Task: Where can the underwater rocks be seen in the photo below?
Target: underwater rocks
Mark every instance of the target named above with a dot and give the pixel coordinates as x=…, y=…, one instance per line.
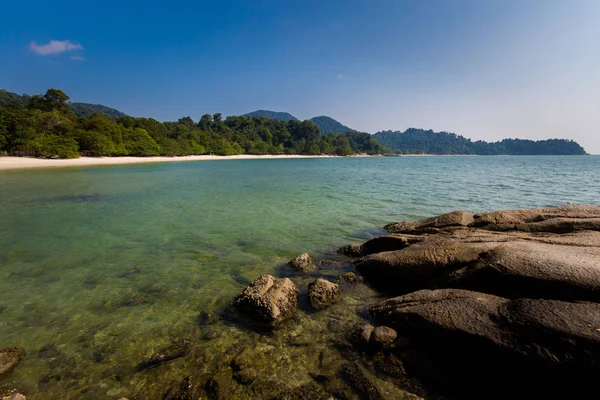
x=323, y=294
x=11, y=395
x=10, y=357
x=351, y=278
x=303, y=263
x=269, y=300
x=167, y=354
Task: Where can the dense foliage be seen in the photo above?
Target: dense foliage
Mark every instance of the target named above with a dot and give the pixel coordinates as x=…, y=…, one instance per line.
x=329, y=125
x=420, y=141
x=46, y=126
x=13, y=100
x=279, y=116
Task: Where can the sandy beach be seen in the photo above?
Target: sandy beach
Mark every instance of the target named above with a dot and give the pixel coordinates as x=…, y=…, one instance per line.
x=8, y=163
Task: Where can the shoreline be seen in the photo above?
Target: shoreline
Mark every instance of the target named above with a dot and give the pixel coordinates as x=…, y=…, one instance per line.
x=15, y=163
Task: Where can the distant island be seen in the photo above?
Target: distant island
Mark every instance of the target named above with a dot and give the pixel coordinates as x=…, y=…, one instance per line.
x=50, y=126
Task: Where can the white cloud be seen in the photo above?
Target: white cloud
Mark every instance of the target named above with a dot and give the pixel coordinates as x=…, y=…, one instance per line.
x=54, y=47
x=78, y=58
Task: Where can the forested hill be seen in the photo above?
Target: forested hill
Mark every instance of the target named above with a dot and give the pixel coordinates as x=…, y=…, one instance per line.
x=46, y=126
x=279, y=116
x=329, y=125
x=80, y=109
x=420, y=141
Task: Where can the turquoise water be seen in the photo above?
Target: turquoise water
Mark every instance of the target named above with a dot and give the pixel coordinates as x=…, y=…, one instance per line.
x=101, y=266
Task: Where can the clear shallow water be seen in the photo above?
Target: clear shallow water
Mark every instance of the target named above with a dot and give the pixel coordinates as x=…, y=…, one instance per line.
x=101, y=266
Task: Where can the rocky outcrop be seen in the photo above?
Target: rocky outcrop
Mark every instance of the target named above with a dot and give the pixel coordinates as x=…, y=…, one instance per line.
x=10, y=357
x=323, y=294
x=303, y=263
x=453, y=219
x=494, y=305
x=546, y=342
x=269, y=300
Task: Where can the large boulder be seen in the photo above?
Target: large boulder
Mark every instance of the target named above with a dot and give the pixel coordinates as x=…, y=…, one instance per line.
x=303, y=263
x=417, y=266
x=452, y=219
x=521, y=347
x=536, y=270
x=555, y=219
x=10, y=357
x=269, y=300
x=323, y=294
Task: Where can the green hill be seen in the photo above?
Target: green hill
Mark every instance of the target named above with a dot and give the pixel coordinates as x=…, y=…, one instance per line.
x=329, y=125
x=420, y=141
x=279, y=116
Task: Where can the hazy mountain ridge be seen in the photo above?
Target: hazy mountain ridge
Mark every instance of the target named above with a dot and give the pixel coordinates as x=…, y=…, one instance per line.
x=276, y=115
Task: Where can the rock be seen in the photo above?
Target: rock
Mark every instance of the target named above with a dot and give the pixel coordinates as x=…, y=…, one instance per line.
x=351, y=277
x=269, y=300
x=12, y=394
x=389, y=365
x=323, y=294
x=303, y=263
x=388, y=243
x=452, y=219
x=536, y=270
x=10, y=357
x=507, y=220
x=383, y=336
x=354, y=375
x=167, y=354
x=361, y=335
x=533, y=346
x=351, y=250
x=417, y=266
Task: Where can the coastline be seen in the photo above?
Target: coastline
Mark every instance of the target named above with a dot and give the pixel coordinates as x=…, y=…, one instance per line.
x=12, y=163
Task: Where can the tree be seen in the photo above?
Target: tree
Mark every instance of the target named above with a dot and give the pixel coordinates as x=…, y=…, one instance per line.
x=217, y=117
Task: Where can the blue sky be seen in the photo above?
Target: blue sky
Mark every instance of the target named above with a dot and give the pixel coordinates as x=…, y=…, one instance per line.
x=484, y=69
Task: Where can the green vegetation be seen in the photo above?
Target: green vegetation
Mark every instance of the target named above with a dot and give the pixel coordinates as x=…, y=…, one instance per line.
x=329, y=125
x=420, y=141
x=47, y=126
x=279, y=116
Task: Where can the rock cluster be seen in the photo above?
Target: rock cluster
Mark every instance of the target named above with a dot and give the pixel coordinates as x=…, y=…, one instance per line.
x=506, y=304
x=303, y=263
x=270, y=300
x=323, y=294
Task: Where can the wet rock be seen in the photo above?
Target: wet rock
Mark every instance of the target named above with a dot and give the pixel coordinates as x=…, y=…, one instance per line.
x=10, y=357
x=389, y=364
x=308, y=391
x=245, y=363
x=383, y=336
x=388, y=243
x=269, y=300
x=351, y=277
x=361, y=335
x=351, y=250
x=167, y=354
x=48, y=351
x=452, y=219
x=354, y=375
x=533, y=346
x=11, y=395
x=303, y=263
x=323, y=294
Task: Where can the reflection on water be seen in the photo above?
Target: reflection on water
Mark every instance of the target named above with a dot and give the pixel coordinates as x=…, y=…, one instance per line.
x=100, y=268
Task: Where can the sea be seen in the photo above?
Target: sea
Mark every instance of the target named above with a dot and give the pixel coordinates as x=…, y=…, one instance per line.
x=102, y=267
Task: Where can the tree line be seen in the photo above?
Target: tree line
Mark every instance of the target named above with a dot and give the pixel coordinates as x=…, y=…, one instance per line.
x=420, y=141
x=46, y=126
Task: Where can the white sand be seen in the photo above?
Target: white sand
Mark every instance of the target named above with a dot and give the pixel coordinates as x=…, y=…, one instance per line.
x=7, y=163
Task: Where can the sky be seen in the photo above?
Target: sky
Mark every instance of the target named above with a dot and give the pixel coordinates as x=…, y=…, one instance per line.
x=487, y=70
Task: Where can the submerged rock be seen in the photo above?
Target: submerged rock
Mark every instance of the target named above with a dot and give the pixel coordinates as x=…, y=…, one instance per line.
x=10, y=357
x=361, y=335
x=323, y=294
x=167, y=354
x=269, y=300
x=11, y=395
x=351, y=277
x=383, y=336
x=303, y=263
x=354, y=375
